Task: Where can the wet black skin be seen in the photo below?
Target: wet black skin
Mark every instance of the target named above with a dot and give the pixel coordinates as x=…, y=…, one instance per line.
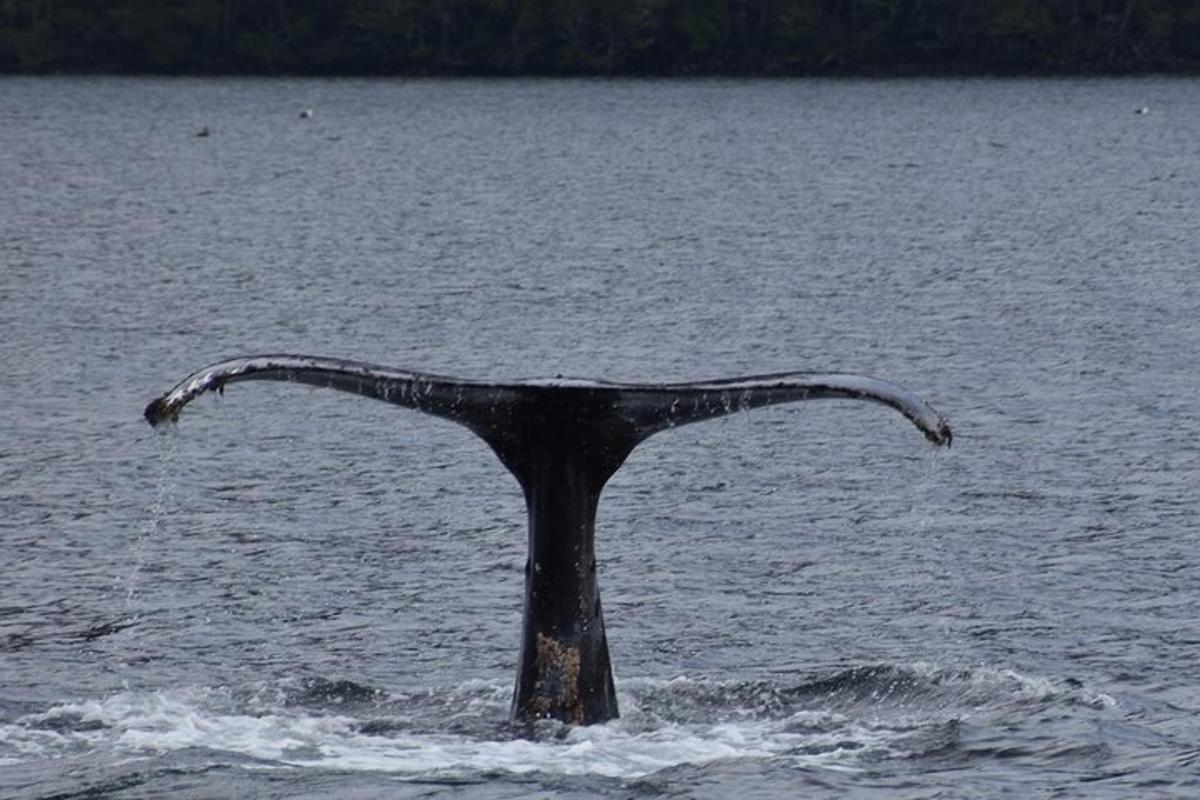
x=562, y=440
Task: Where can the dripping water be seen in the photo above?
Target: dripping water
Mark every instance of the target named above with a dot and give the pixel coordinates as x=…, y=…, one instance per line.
x=148, y=532
x=922, y=490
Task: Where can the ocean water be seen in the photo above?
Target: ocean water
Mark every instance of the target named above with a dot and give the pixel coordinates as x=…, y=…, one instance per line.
x=299, y=593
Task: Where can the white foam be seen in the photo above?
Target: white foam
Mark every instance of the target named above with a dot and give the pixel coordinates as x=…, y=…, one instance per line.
x=145, y=724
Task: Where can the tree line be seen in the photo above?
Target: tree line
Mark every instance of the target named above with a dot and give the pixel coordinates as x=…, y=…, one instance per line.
x=605, y=37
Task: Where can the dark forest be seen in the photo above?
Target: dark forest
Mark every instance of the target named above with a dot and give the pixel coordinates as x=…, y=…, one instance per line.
x=599, y=37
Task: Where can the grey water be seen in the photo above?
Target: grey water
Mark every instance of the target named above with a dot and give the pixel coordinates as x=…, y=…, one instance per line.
x=298, y=593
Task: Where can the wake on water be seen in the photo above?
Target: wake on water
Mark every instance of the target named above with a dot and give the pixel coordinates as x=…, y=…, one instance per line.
x=846, y=721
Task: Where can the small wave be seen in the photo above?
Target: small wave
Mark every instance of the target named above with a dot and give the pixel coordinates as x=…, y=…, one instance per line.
x=66, y=721
x=968, y=688
x=60, y=731
x=102, y=629
x=323, y=692
x=877, y=689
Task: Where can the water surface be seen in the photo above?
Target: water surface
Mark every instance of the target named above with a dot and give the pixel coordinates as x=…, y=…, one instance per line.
x=299, y=593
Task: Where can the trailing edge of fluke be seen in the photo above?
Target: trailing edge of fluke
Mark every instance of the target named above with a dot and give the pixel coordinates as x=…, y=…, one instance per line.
x=562, y=439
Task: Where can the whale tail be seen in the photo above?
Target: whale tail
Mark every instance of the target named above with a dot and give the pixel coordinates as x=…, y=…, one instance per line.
x=562, y=440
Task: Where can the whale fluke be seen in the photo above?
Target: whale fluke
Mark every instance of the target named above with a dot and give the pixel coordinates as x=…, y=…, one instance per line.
x=562, y=439
x=674, y=404
x=649, y=407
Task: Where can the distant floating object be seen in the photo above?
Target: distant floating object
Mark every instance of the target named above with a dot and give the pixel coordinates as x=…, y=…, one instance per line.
x=306, y=114
x=202, y=132
x=1142, y=110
